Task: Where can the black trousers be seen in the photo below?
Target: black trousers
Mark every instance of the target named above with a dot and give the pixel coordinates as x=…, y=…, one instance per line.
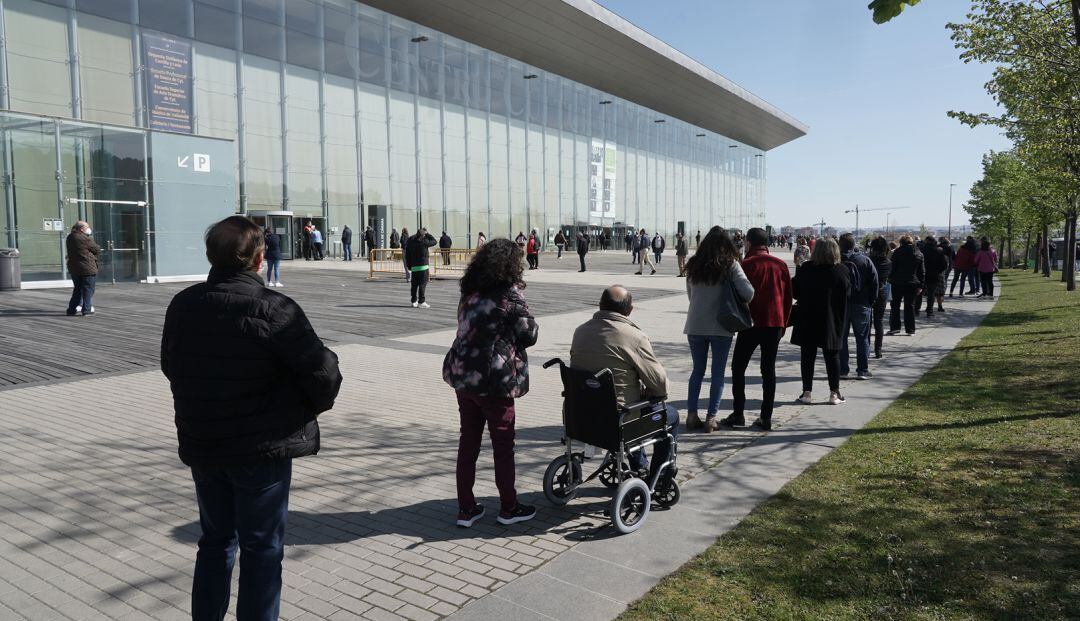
x=581, y=257
x=768, y=339
x=808, y=358
x=903, y=294
x=418, y=286
x=930, y=294
x=879, y=320
x=987, y=279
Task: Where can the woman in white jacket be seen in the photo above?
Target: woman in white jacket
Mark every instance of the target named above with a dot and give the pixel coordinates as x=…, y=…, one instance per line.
x=707, y=285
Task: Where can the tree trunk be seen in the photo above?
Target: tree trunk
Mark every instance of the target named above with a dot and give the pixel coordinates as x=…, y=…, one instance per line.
x=1001, y=253
x=1027, y=248
x=1038, y=252
x=1076, y=20
x=1046, y=251
x=1009, y=236
x=1069, y=271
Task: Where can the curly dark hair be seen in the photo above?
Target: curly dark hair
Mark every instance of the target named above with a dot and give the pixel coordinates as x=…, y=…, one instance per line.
x=711, y=263
x=496, y=266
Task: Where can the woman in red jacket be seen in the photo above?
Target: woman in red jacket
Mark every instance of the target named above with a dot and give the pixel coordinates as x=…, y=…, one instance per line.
x=962, y=266
x=532, y=251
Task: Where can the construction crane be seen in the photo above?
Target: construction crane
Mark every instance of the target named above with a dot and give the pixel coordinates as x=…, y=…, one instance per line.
x=857, y=211
x=821, y=232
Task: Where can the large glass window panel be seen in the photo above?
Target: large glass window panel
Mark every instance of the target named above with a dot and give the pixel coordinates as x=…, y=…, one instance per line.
x=431, y=163
x=429, y=69
x=402, y=55
x=478, y=172
x=262, y=132
x=119, y=10
x=37, y=57
x=551, y=179
x=454, y=77
x=341, y=165
x=342, y=52
x=165, y=15
x=403, y=159
x=581, y=179
x=534, y=167
x=478, y=78
x=518, y=86
x=266, y=10
x=105, y=76
x=33, y=158
x=519, y=215
x=373, y=46
x=373, y=144
x=305, y=161
x=215, y=91
x=215, y=25
x=303, y=49
x=499, y=182
x=457, y=206
x=302, y=16
x=499, y=86
x=262, y=38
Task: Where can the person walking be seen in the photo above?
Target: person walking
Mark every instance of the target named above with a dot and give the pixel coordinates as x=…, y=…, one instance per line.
x=863, y=285
x=709, y=275
x=249, y=378
x=306, y=237
x=560, y=243
x=346, y=243
x=532, y=251
x=272, y=258
x=770, y=309
x=879, y=255
x=802, y=252
x=643, y=254
x=395, y=240
x=629, y=240
x=986, y=262
x=658, y=245
x=369, y=241
x=488, y=369
x=404, y=259
x=936, y=267
x=962, y=266
x=680, y=253
x=635, y=248
x=317, y=244
x=582, y=243
x=907, y=279
x=445, y=243
x=520, y=240
x=821, y=288
x=697, y=239
x=481, y=239
x=82, y=264
x=417, y=262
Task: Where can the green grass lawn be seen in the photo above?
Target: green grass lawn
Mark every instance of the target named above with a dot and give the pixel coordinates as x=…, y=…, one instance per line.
x=960, y=501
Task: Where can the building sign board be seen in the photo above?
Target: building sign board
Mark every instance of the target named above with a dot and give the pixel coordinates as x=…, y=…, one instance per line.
x=168, y=83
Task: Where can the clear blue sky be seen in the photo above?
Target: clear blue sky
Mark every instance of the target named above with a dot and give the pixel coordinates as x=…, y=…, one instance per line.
x=875, y=99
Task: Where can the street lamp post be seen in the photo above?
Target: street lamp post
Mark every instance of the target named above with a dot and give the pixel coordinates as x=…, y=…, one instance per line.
x=951, y=186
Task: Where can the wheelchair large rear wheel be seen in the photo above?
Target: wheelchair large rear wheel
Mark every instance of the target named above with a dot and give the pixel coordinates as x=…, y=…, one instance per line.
x=630, y=507
x=561, y=480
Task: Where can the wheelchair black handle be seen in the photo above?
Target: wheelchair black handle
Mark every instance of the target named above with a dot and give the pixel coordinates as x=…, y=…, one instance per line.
x=553, y=362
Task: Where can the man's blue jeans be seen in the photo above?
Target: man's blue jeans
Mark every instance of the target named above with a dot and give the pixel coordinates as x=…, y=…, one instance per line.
x=859, y=320
x=245, y=506
x=347, y=249
x=639, y=460
x=82, y=294
x=699, y=352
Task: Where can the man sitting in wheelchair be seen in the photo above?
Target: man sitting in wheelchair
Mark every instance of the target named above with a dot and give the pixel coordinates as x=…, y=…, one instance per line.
x=611, y=341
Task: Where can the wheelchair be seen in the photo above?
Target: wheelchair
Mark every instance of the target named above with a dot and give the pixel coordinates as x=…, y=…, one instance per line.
x=592, y=415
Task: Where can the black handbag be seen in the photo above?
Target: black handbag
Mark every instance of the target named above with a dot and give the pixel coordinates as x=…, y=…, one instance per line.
x=734, y=313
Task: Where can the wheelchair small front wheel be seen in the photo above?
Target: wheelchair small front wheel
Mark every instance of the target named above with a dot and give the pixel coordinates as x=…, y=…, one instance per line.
x=667, y=493
x=609, y=474
x=630, y=507
x=561, y=480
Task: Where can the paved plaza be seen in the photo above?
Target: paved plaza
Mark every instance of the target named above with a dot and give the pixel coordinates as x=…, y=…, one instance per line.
x=98, y=517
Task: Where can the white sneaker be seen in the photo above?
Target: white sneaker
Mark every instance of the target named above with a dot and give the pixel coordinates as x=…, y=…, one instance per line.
x=425, y=305
x=836, y=398
x=414, y=305
x=805, y=398
x=278, y=284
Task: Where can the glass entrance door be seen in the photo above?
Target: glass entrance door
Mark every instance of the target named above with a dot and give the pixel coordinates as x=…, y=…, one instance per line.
x=282, y=225
x=120, y=229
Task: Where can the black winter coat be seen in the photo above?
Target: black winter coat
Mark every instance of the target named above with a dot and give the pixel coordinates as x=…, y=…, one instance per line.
x=822, y=295
x=884, y=269
x=346, y=236
x=445, y=242
x=935, y=263
x=907, y=266
x=247, y=371
x=273, y=247
x=416, y=250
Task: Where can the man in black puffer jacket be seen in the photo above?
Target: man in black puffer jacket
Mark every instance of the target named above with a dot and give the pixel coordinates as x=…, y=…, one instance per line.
x=249, y=376
x=908, y=278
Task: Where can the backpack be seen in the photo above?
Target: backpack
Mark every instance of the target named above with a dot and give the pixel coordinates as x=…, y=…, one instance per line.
x=854, y=277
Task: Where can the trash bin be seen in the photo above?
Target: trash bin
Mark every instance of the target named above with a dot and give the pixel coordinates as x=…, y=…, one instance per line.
x=10, y=269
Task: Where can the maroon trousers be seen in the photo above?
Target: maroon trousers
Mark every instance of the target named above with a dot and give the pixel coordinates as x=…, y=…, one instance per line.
x=498, y=414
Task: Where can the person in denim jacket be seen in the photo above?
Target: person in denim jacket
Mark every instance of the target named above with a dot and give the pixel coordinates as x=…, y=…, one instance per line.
x=488, y=368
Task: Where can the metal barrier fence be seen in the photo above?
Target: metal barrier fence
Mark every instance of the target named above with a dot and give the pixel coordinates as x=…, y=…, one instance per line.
x=449, y=263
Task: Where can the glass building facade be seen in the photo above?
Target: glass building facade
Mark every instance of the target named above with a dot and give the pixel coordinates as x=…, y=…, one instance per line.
x=342, y=113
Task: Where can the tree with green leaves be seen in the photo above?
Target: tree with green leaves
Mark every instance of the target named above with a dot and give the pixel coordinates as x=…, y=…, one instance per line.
x=885, y=10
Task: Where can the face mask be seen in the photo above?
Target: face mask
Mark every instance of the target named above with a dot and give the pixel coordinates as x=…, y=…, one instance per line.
x=89, y=231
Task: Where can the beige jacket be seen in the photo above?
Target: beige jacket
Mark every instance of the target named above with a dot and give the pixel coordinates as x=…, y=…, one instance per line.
x=611, y=341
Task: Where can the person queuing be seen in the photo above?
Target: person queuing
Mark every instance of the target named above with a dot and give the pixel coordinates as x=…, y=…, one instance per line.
x=306, y=241
x=770, y=309
x=249, y=378
x=802, y=252
x=520, y=240
x=404, y=259
x=346, y=243
x=643, y=253
x=680, y=253
x=658, y=246
x=964, y=267
x=82, y=263
x=488, y=369
x=445, y=243
x=560, y=243
x=710, y=274
x=936, y=269
x=863, y=286
x=582, y=243
x=821, y=289
x=879, y=255
x=532, y=251
x=417, y=263
x=272, y=258
x=369, y=241
x=907, y=281
x=481, y=239
x=986, y=262
x=316, y=243
x=395, y=239
x=629, y=240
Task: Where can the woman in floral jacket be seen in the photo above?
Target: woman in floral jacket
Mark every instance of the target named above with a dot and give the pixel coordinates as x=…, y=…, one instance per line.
x=488, y=368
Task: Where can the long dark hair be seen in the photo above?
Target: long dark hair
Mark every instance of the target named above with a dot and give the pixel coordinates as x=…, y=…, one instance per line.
x=712, y=261
x=495, y=266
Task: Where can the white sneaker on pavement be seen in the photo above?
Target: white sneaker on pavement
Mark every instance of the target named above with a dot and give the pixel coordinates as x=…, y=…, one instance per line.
x=425, y=305
x=414, y=305
x=805, y=398
x=836, y=398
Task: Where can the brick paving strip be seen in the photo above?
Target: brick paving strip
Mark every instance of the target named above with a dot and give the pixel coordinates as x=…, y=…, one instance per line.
x=98, y=517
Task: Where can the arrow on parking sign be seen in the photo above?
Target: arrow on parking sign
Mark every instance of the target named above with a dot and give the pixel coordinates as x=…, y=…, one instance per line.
x=182, y=161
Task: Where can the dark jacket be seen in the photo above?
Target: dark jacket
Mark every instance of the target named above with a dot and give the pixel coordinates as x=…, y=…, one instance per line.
x=680, y=247
x=488, y=355
x=907, y=266
x=582, y=244
x=868, y=278
x=884, y=269
x=369, y=239
x=935, y=263
x=394, y=243
x=346, y=235
x=416, y=250
x=445, y=242
x=247, y=371
x=82, y=254
x=822, y=295
x=560, y=239
x=273, y=247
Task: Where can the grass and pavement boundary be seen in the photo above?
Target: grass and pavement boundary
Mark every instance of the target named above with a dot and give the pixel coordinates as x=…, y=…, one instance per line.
x=961, y=500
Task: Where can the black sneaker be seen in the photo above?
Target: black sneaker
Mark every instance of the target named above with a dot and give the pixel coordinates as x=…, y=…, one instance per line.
x=762, y=425
x=521, y=513
x=892, y=333
x=466, y=519
x=733, y=420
